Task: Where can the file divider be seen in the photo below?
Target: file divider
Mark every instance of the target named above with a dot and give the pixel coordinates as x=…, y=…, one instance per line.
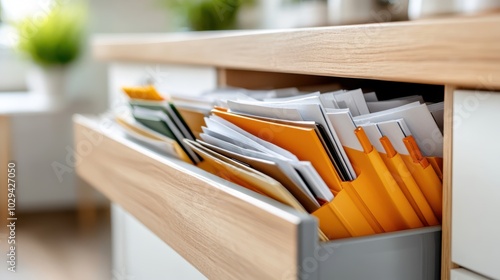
x=380, y=192
x=340, y=218
x=411, y=189
x=429, y=183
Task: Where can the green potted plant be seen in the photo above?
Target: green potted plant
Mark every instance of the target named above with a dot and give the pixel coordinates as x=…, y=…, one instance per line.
x=52, y=41
x=199, y=15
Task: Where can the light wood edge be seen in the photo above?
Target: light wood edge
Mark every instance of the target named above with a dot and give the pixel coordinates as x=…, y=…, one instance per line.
x=4, y=159
x=222, y=77
x=446, y=262
x=265, y=246
x=441, y=51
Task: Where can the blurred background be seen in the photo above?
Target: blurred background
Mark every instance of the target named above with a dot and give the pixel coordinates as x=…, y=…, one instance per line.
x=47, y=74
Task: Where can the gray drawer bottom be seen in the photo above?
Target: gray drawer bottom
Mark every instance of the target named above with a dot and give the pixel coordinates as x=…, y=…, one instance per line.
x=404, y=255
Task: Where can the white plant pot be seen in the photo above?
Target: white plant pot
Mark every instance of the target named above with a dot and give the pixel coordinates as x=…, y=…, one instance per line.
x=277, y=14
x=49, y=84
x=429, y=8
x=342, y=12
x=475, y=6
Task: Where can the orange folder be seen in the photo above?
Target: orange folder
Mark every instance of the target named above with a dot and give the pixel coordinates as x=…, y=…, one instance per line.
x=425, y=176
x=373, y=195
x=143, y=92
x=341, y=218
x=303, y=142
x=372, y=203
x=194, y=120
x=403, y=177
x=377, y=189
x=437, y=165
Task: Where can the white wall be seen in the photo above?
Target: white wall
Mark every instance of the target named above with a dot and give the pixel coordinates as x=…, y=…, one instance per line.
x=11, y=63
x=89, y=78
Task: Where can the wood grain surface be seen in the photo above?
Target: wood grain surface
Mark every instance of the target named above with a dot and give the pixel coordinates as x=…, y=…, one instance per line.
x=462, y=51
x=223, y=231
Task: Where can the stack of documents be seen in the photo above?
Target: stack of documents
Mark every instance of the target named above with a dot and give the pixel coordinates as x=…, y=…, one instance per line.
x=158, y=123
x=360, y=165
x=164, y=121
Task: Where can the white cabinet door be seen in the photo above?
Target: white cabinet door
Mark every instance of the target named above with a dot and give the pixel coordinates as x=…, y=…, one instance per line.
x=139, y=254
x=464, y=274
x=476, y=182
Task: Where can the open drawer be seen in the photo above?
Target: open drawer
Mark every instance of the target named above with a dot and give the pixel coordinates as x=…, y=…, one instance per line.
x=228, y=232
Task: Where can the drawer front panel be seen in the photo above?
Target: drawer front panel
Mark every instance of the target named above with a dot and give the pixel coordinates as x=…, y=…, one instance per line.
x=222, y=229
x=228, y=232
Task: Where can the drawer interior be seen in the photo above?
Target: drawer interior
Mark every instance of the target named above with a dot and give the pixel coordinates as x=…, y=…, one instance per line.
x=222, y=229
x=228, y=231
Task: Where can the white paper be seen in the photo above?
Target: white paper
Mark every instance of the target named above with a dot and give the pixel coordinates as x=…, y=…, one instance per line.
x=328, y=100
x=240, y=143
x=344, y=126
x=394, y=131
x=437, y=111
x=370, y=97
x=264, y=111
x=311, y=109
x=313, y=179
x=378, y=106
x=374, y=134
x=420, y=122
x=290, y=98
x=353, y=100
x=233, y=131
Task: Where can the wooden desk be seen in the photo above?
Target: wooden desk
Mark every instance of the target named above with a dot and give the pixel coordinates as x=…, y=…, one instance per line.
x=460, y=52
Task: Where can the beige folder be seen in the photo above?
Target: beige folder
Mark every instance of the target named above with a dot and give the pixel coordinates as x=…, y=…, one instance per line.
x=272, y=170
